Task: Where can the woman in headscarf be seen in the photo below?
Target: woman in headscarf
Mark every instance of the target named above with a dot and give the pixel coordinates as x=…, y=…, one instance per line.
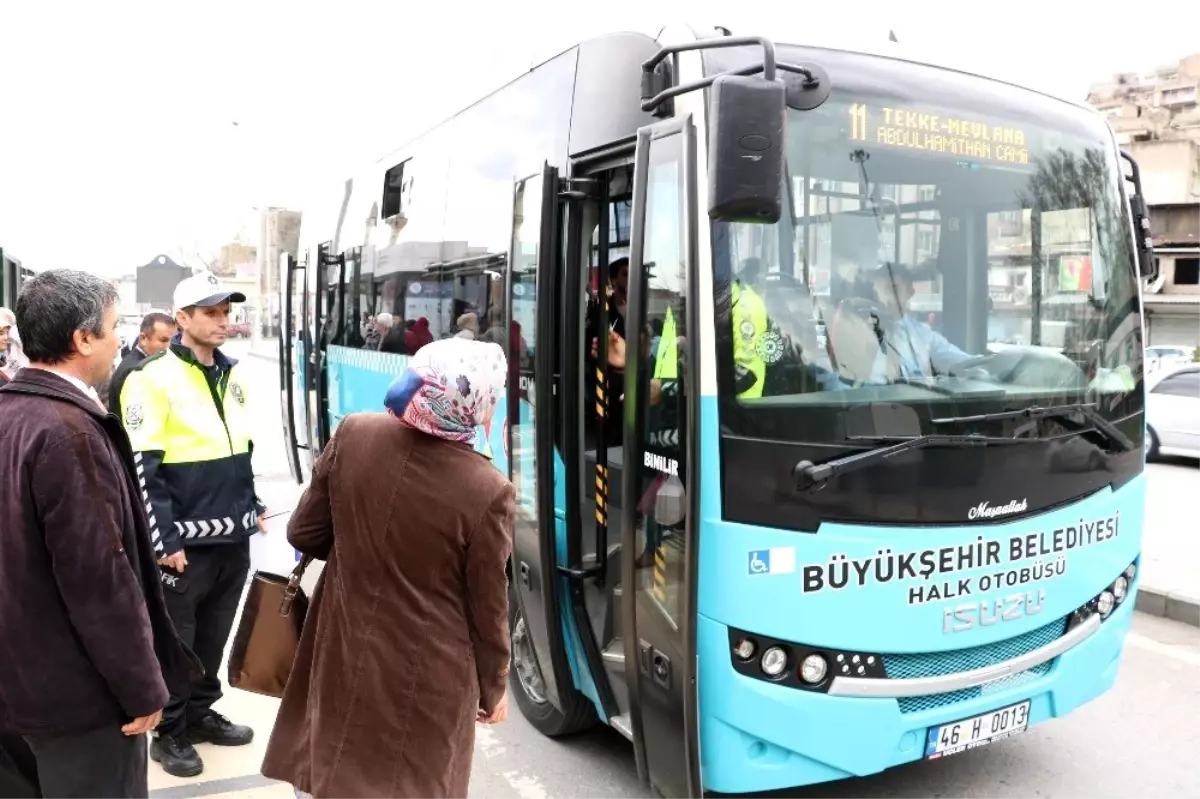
x=419, y=335
x=468, y=326
x=12, y=357
x=405, y=647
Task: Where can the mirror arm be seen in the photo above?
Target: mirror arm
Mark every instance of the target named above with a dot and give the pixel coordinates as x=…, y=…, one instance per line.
x=810, y=81
x=1141, y=219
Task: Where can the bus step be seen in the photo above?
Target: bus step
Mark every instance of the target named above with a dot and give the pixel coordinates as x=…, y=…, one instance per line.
x=622, y=725
x=615, y=652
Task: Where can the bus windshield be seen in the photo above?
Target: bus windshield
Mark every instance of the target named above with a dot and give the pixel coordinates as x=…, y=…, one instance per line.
x=950, y=244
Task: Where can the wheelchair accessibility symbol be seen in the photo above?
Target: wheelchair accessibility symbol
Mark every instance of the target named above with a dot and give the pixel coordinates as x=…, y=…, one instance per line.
x=777, y=560
x=760, y=561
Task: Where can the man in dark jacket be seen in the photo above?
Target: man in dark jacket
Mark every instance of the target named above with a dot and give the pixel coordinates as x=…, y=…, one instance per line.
x=89, y=652
x=155, y=336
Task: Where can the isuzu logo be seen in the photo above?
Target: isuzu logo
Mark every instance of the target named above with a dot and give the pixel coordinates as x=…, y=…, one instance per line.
x=970, y=615
x=985, y=511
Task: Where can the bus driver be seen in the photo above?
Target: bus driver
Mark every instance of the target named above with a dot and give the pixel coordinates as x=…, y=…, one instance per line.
x=879, y=343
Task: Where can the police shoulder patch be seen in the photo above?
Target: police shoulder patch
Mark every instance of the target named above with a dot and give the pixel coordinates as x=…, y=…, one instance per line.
x=135, y=414
x=746, y=329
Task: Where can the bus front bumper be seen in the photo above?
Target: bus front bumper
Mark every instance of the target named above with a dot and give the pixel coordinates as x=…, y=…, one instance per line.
x=759, y=736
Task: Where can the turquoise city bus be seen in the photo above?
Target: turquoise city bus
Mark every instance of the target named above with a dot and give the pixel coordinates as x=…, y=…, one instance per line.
x=865, y=486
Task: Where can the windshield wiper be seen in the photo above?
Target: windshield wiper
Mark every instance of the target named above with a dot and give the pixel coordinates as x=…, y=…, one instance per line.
x=1086, y=409
x=809, y=475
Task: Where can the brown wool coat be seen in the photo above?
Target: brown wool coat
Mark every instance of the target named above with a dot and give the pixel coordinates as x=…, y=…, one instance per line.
x=407, y=634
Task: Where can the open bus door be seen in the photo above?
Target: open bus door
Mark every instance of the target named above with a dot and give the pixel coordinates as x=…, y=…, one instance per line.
x=293, y=355
x=532, y=301
x=660, y=486
x=329, y=310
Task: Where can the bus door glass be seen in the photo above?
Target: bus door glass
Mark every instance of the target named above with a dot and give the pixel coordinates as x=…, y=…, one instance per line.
x=530, y=416
x=328, y=325
x=657, y=524
x=292, y=356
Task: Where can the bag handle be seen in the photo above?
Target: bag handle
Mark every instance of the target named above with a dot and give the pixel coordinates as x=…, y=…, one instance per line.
x=293, y=586
x=83, y=453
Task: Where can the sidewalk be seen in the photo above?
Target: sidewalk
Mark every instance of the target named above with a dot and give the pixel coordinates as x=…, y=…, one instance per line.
x=1170, y=579
x=267, y=348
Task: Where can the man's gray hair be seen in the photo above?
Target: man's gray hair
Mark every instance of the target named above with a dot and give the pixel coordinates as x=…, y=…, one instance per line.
x=56, y=303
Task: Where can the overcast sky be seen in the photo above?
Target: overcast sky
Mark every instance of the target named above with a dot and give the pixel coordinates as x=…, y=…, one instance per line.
x=117, y=120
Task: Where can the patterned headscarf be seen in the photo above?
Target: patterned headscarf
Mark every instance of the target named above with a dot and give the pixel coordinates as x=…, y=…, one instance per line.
x=449, y=388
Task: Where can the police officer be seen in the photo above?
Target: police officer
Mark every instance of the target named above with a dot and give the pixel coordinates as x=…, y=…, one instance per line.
x=186, y=415
x=749, y=331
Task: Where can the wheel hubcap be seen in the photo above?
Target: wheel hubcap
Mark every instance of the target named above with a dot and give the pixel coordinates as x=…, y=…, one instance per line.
x=525, y=662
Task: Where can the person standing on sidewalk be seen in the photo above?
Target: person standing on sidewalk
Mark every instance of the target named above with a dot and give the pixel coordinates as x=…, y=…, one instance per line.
x=87, y=649
x=186, y=413
x=153, y=338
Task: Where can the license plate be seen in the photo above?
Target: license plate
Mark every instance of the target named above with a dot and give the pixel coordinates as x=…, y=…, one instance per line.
x=959, y=736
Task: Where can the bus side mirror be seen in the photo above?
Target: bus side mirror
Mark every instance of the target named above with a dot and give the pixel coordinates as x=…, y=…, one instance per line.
x=1144, y=244
x=745, y=149
x=1147, y=264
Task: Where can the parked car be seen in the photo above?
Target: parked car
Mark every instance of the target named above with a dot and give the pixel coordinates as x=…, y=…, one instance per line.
x=1160, y=356
x=1173, y=411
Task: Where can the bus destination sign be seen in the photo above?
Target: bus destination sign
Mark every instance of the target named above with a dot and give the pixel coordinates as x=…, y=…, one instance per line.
x=937, y=133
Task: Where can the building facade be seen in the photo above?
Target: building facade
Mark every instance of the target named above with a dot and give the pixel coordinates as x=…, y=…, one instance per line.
x=1156, y=117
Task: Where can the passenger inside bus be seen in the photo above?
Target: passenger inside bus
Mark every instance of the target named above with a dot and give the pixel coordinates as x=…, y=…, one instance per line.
x=618, y=273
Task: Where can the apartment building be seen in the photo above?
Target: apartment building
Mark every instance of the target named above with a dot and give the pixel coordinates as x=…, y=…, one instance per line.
x=1156, y=116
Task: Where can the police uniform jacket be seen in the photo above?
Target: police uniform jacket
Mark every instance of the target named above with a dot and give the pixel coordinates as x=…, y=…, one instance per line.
x=191, y=434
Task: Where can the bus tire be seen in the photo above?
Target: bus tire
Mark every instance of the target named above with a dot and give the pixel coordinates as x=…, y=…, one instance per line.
x=577, y=715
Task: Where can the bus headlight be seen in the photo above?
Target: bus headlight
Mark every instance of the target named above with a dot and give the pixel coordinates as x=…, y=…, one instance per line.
x=1105, y=603
x=813, y=669
x=774, y=661
x=1119, y=587
x=744, y=649
x=1130, y=572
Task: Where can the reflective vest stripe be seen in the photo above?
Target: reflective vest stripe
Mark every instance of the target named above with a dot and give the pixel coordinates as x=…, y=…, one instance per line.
x=666, y=363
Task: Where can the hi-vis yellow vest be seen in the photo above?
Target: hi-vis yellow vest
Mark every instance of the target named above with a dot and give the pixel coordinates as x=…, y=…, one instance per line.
x=749, y=327
x=192, y=440
x=666, y=361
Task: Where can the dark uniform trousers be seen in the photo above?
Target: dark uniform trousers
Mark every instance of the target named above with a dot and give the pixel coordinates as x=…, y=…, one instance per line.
x=203, y=601
x=18, y=768
x=101, y=763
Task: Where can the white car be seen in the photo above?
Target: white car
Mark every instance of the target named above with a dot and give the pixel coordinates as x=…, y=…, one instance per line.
x=1161, y=356
x=1173, y=411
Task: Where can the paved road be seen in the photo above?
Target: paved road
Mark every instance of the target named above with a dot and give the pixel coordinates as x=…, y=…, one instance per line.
x=1170, y=543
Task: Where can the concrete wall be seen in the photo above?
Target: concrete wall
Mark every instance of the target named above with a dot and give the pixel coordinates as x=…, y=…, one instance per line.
x=1170, y=170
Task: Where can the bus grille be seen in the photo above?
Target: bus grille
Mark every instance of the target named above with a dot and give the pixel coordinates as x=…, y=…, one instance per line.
x=936, y=664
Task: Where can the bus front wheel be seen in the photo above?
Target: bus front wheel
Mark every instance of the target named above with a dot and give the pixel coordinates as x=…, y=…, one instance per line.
x=528, y=687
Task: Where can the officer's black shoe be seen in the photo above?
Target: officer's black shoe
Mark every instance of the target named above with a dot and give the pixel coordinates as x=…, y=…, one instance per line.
x=217, y=730
x=178, y=758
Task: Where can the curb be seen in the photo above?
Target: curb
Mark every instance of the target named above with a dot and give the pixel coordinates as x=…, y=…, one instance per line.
x=1168, y=604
